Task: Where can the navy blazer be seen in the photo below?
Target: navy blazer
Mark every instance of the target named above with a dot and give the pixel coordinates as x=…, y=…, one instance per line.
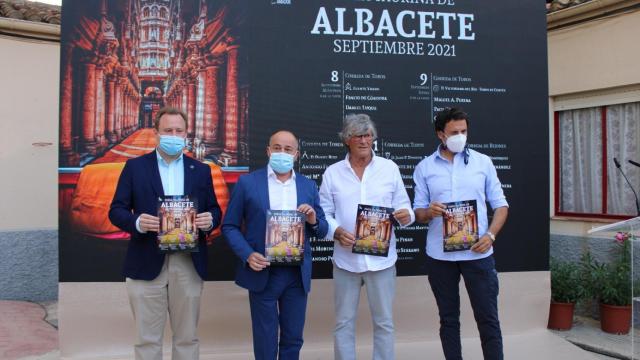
x=139, y=188
x=247, y=210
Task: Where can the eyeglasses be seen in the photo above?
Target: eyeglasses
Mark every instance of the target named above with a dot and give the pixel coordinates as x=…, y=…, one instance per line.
x=366, y=136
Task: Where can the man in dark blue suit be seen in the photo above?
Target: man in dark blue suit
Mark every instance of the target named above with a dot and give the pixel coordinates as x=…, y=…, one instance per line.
x=159, y=283
x=277, y=294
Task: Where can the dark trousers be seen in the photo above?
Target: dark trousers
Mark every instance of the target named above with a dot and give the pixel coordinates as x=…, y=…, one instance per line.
x=282, y=304
x=481, y=281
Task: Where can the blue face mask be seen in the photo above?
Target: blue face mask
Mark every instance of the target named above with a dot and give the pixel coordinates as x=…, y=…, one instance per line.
x=171, y=145
x=281, y=162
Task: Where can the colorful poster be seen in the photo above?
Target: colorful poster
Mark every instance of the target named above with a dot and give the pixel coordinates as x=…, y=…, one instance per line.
x=284, y=239
x=460, y=225
x=178, y=231
x=373, y=230
x=121, y=61
x=243, y=69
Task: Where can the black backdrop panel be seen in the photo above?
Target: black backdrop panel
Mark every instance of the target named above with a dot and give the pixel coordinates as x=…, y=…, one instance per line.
x=312, y=62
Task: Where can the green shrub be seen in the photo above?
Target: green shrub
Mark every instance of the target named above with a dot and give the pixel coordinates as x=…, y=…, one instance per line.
x=566, y=286
x=608, y=283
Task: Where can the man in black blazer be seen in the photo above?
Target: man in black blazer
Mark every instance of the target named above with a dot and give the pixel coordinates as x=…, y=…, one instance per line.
x=160, y=283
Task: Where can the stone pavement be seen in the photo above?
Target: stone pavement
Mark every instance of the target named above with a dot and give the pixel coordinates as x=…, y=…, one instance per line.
x=28, y=331
x=24, y=333
x=586, y=334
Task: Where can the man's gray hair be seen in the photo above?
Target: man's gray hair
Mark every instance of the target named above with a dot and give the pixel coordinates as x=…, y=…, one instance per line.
x=357, y=124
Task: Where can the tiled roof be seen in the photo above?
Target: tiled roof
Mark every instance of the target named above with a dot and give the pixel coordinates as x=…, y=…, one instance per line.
x=30, y=11
x=39, y=12
x=556, y=5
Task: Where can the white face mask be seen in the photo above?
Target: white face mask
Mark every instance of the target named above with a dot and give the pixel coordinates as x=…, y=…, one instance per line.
x=456, y=143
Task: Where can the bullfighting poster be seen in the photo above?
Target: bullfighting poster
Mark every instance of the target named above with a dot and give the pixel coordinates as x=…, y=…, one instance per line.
x=242, y=70
x=178, y=231
x=460, y=225
x=373, y=230
x=284, y=238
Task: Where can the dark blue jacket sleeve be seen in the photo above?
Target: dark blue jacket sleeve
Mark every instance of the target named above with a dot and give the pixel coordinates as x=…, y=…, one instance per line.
x=233, y=219
x=321, y=230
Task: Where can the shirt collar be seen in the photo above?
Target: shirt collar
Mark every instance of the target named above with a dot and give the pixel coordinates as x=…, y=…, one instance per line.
x=455, y=156
x=161, y=161
x=272, y=174
x=348, y=163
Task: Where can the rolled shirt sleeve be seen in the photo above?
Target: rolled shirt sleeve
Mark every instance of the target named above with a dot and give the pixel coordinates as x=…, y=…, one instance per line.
x=493, y=187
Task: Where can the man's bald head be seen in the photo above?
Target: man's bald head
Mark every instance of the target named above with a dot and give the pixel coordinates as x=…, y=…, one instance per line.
x=281, y=135
x=283, y=141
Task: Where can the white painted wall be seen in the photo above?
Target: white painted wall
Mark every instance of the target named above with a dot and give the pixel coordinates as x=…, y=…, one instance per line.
x=591, y=63
x=595, y=55
x=29, y=71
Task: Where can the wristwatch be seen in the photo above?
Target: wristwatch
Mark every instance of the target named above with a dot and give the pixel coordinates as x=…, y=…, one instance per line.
x=491, y=236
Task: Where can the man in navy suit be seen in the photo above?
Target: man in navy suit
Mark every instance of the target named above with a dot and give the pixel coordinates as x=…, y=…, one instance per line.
x=159, y=283
x=277, y=294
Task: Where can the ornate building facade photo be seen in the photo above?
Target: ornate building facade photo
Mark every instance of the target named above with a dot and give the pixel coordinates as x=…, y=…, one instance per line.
x=123, y=60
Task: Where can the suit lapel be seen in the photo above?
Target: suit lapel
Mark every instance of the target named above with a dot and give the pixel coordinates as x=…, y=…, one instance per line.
x=156, y=182
x=299, y=193
x=189, y=169
x=263, y=186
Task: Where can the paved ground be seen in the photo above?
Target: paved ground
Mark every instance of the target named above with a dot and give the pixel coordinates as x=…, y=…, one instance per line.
x=28, y=331
x=586, y=333
x=23, y=331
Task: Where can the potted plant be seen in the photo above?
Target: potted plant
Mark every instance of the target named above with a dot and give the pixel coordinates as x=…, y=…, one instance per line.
x=614, y=288
x=609, y=285
x=566, y=290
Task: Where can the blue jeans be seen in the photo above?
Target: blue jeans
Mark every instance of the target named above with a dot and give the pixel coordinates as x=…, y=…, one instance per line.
x=481, y=281
x=281, y=305
x=381, y=289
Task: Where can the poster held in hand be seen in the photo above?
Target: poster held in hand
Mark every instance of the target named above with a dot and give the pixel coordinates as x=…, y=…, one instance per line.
x=284, y=243
x=460, y=225
x=178, y=231
x=373, y=230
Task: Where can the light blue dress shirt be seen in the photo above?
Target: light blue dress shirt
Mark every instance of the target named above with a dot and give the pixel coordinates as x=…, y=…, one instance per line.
x=172, y=175
x=437, y=179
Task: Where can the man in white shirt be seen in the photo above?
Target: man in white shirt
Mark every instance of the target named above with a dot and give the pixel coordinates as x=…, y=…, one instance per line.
x=362, y=178
x=456, y=173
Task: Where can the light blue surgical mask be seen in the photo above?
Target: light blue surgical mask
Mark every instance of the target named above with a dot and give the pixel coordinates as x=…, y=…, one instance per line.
x=171, y=145
x=281, y=162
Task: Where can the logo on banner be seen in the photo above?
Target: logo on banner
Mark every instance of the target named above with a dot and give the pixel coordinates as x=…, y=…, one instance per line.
x=280, y=2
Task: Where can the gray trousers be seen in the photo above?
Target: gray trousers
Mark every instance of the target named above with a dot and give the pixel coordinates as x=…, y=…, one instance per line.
x=381, y=289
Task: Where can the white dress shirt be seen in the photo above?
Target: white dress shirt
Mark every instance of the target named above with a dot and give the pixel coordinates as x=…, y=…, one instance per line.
x=282, y=195
x=438, y=179
x=341, y=192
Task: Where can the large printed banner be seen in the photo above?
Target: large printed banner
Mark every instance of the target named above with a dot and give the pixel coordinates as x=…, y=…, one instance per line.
x=243, y=69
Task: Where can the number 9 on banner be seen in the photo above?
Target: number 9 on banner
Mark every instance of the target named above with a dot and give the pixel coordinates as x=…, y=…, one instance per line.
x=423, y=78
